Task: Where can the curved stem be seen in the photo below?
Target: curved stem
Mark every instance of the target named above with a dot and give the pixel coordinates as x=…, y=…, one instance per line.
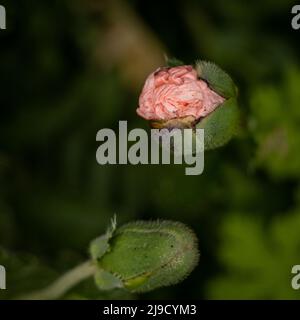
x=64, y=283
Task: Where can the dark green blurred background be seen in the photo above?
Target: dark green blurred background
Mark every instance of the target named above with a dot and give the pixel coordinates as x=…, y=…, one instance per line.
x=69, y=68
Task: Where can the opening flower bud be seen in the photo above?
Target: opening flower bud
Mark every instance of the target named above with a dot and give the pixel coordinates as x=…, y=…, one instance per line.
x=183, y=97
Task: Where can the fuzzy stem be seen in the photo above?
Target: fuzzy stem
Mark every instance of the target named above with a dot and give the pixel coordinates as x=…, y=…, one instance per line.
x=59, y=287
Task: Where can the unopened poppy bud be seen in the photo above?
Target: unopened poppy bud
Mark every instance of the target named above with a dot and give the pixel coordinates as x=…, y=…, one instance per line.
x=142, y=256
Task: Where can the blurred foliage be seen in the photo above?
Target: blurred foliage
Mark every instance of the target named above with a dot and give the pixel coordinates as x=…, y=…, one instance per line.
x=257, y=258
x=276, y=119
x=69, y=68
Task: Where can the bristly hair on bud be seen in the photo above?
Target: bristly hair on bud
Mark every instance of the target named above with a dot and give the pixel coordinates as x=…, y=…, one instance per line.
x=217, y=79
x=145, y=255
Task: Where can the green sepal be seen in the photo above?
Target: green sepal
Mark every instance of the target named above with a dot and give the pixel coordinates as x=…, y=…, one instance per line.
x=217, y=79
x=220, y=125
x=100, y=245
x=173, y=62
x=106, y=281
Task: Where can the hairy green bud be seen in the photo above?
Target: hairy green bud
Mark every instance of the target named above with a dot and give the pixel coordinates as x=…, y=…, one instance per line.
x=142, y=256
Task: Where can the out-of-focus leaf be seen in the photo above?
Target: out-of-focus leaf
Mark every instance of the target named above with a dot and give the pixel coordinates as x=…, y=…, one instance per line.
x=257, y=259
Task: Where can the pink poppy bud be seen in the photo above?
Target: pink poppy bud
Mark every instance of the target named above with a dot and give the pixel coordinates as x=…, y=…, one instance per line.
x=172, y=93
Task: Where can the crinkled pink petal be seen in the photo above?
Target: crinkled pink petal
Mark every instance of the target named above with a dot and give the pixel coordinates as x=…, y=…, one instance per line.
x=171, y=93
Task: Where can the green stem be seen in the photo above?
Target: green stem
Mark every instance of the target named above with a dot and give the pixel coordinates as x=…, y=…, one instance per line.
x=64, y=283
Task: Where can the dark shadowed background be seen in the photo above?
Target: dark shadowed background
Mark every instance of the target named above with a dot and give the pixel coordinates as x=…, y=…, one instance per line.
x=69, y=68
